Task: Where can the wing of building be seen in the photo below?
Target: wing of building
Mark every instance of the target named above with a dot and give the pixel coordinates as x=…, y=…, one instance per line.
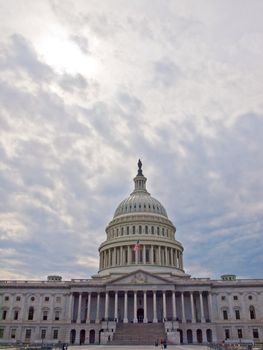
x=139, y=295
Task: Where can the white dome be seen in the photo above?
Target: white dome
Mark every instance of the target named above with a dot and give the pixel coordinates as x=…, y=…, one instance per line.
x=140, y=202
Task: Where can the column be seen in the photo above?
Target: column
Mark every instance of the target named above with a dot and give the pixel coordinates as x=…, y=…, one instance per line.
x=10, y=311
x=108, y=259
x=136, y=256
x=121, y=255
x=164, y=306
x=40, y=307
x=181, y=260
x=135, y=320
x=114, y=263
x=88, y=309
x=166, y=256
x=151, y=255
x=192, y=307
x=182, y=302
x=159, y=255
x=145, y=319
x=125, y=319
x=175, y=257
x=230, y=303
x=79, y=308
x=144, y=254
x=129, y=254
x=98, y=309
x=154, y=308
x=51, y=314
x=106, y=306
x=210, y=307
x=23, y=307
x=174, y=305
x=104, y=260
x=171, y=257
x=116, y=307
x=70, y=307
x=202, y=307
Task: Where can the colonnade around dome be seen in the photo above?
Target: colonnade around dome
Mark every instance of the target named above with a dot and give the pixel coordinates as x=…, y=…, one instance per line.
x=149, y=254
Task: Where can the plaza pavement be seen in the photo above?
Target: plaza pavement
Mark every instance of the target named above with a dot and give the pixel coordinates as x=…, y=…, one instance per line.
x=137, y=347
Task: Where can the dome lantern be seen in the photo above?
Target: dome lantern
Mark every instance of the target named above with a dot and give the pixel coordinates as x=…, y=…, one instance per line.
x=140, y=180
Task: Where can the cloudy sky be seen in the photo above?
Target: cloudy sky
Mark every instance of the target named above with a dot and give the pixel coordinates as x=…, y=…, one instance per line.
x=88, y=87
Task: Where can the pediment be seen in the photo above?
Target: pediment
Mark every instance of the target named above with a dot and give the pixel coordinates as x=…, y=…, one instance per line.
x=140, y=277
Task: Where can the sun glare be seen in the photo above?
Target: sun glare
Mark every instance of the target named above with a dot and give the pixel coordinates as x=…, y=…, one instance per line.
x=63, y=55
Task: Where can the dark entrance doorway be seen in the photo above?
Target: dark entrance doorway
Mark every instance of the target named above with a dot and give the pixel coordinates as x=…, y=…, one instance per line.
x=199, y=336
x=181, y=335
x=82, y=336
x=92, y=336
x=140, y=315
x=72, y=336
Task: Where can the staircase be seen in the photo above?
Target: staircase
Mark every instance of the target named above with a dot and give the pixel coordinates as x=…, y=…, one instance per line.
x=138, y=333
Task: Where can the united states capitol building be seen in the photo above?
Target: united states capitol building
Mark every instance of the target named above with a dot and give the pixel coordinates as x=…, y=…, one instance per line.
x=141, y=292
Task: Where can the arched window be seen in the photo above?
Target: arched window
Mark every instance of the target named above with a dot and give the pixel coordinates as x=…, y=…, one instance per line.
x=146, y=229
x=158, y=230
x=122, y=231
x=252, y=312
x=152, y=230
x=133, y=229
x=140, y=229
x=31, y=313
x=127, y=230
x=163, y=231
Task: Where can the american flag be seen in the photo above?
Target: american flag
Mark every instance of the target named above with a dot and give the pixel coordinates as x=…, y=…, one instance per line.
x=136, y=246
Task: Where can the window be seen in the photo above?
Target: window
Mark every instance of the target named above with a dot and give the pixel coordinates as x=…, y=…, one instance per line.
x=127, y=230
x=1, y=333
x=18, y=298
x=43, y=333
x=31, y=313
x=45, y=314
x=223, y=297
x=140, y=229
x=225, y=316
x=237, y=313
x=122, y=231
x=28, y=334
x=255, y=333
x=6, y=298
x=16, y=315
x=58, y=299
x=152, y=230
x=252, y=313
x=227, y=335
x=250, y=297
x=13, y=333
x=32, y=298
x=4, y=314
x=239, y=333
x=235, y=297
x=46, y=298
x=146, y=230
x=56, y=315
x=133, y=229
x=158, y=231
x=55, y=334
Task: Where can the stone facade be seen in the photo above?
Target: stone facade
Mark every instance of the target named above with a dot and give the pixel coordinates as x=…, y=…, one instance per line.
x=143, y=285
